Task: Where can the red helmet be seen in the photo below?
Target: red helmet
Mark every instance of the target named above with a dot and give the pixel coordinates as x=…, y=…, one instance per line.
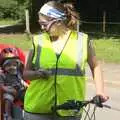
x=8, y=53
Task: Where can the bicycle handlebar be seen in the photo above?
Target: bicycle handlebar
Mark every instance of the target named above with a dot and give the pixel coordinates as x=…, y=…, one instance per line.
x=77, y=105
x=72, y=104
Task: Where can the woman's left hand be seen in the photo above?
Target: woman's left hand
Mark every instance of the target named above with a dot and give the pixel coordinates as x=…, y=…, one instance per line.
x=103, y=96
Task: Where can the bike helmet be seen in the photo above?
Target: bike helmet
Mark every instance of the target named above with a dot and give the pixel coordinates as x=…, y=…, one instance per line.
x=8, y=53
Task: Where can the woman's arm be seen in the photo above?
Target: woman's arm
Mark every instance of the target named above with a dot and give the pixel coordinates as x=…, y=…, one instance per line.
x=96, y=72
x=36, y=74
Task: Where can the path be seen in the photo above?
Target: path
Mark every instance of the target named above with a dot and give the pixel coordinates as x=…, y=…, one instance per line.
x=111, y=73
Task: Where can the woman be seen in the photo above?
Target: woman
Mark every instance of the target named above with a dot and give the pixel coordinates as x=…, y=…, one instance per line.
x=61, y=50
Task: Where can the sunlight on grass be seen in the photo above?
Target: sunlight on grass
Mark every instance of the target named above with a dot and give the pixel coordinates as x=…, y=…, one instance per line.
x=108, y=50
x=20, y=40
x=8, y=22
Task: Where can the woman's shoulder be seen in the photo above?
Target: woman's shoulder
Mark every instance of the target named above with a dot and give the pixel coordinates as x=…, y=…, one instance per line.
x=79, y=33
x=82, y=33
x=37, y=36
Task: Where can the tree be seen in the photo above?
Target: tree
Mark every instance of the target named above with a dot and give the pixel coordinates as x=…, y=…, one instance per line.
x=13, y=8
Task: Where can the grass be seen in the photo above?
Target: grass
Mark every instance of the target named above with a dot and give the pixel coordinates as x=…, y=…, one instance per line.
x=8, y=22
x=20, y=40
x=108, y=49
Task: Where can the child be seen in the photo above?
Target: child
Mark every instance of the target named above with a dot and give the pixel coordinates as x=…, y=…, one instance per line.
x=11, y=78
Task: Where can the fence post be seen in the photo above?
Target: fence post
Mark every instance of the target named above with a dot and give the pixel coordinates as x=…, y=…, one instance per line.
x=104, y=21
x=27, y=21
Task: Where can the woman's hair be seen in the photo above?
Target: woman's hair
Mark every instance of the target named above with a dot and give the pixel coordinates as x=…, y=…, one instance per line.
x=71, y=15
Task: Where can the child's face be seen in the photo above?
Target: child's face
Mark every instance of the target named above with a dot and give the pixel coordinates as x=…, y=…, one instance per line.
x=11, y=67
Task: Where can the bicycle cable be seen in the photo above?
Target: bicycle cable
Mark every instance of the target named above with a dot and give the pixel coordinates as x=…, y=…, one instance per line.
x=93, y=116
x=87, y=112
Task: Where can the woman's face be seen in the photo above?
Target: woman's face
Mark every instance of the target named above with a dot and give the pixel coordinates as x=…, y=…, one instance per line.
x=54, y=27
x=43, y=21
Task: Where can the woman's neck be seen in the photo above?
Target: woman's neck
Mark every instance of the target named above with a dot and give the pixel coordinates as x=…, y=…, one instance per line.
x=62, y=36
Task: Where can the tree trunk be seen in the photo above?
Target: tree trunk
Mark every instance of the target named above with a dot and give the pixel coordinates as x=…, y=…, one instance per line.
x=36, y=5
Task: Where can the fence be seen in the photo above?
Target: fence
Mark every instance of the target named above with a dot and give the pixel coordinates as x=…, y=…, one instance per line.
x=101, y=28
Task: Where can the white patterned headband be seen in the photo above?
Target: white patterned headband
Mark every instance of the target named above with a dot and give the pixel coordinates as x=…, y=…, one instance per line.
x=52, y=12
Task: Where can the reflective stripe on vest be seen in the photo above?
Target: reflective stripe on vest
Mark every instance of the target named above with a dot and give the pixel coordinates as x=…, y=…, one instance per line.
x=80, y=48
x=37, y=62
x=68, y=72
x=65, y=71
x=36, y=58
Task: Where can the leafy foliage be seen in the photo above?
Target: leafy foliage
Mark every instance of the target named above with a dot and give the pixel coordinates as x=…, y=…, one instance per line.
x=13, y=8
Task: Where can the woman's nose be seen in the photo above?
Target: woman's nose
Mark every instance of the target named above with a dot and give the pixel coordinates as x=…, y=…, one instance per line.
x=42, y=27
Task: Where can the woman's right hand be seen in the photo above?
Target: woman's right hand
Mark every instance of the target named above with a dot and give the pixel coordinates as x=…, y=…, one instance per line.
x=36, y=74
x=43, y=73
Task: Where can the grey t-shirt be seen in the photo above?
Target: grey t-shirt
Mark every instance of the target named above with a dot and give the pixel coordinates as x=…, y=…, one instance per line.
x=10, y=80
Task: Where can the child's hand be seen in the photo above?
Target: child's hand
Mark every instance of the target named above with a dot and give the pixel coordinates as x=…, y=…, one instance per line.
x=9, y=89
x=1, y=70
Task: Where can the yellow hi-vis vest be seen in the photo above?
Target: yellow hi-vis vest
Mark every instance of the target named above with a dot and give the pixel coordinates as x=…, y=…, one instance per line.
x=70, y=83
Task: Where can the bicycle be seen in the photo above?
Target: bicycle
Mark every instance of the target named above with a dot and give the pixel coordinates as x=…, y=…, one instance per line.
x=77, y=106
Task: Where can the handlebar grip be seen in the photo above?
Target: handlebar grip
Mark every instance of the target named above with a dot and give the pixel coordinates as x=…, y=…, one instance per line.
x=98, y=100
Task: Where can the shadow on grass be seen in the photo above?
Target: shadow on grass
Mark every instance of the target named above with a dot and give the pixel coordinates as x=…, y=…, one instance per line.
x=94, y=32
x=100, y=35
x=19, y=28
x=12, y=29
